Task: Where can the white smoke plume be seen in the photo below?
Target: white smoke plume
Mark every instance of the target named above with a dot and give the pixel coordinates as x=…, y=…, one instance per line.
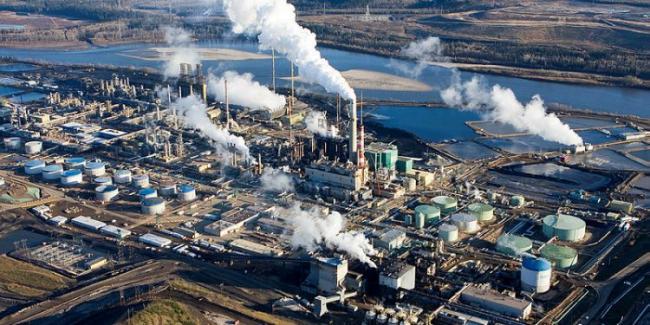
x=316, y=123
x=277, y=181
x=423, y=52
x=312, y=229
x=244, y=91
x=500, y=104
x=192, y=111
x=274, y=21
x=182, y=51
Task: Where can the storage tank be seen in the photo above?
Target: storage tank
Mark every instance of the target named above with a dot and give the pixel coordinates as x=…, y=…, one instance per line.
x=382, y=319
x=513, y=245
x=106, y=193
x=561, y=256
x=34, y=167
x=71, y=177
x=75, y=163
x=370, y=316
x=153, y=206
x=186, y=192
x=565, y=227
x=13, y=143
x=95, y=169
x=535, y=274
x=52, y=172
x=431, y=214
x=167, y=189
x=141, y=181
x=122, y=176
x=33, y=147
x=148, y=192
x=483, y=212
x=103, y=180
x=409, y=184
x=448, y=233
x=517, y=201
x=393, y=321
x=446, y=204
x=466, y=223
x=408, y=219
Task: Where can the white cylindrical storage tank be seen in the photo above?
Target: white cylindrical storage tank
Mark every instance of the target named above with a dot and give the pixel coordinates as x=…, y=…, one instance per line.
x=34, y=167
x=167, y=189
x=148, y=192
x=448, y=233
x=75, y=163
x=370, y=316
x=153, y=206
x=186, y=192
x=382, y=319
x=122, y=176
x=71, y=177
x=466, y=223
x=535, y=274
x=95, y=169
x=106, y=193
x=13, y=143
x=393, y=321
x=33, y=147
x=103, y=180
x=52, y=172
x=141, y=181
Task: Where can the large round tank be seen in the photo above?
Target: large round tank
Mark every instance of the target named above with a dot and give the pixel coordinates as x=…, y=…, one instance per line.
x=513, y=245
x=71, y=177
x=535, y=274
x=52, y=172
x=122, y=176
x=95, y=169
x=483, y=212
x=431, y=214
x=13, y=143
x=466, y=223
x=75, y=163
x=393, y=321
x=33, y=147
x=565, y=227
x=561, y=256
x=370, y=316
x=382, y=319
x=448, y=233
x=186, y=192
x=106, y=193
x=167, y=189
x=152, y=206
x=141, y=181
x=446, y=204
x=103, y=180
x=148, y=192
x=517, y=201
x=34, y=167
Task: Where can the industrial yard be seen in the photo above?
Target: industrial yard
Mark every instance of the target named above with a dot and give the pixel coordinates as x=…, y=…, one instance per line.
x=180, y=196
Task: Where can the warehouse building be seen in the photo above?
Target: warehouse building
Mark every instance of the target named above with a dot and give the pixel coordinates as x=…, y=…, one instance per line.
x=496, y=302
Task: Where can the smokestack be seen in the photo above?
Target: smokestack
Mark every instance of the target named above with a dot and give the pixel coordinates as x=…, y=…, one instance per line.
x=292, y=84
x=338, y=110
x=225, y=84
x=353, y=132
x=191, y=90
x=169, y=95
x=180, y=92
x=273, y=67
x=157, y=112
x=259, y=164
x=204, y=91
x=361, y=154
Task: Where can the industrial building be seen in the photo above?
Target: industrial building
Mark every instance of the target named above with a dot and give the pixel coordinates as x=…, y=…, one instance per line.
x=88, y=223
x=381, y=155
x=154, y=240
x=250, y=247
x=398, y=276
x=390, y=239
x=496, y=302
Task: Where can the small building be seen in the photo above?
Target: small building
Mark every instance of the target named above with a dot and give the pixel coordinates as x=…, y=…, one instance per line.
x=58, y=221
x=88, y=223
x=496, y=302
x=398, y=276
x=95, y=263
x=621, y=206
x=116, y=232
x=390, y=239
x=250, y=247
x=153, y=240
x=327, y=274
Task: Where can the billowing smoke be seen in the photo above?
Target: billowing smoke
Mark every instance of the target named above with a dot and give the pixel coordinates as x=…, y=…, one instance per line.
x=500, y=104
x=316, y=123
x=423, y=52
x=274, y=21
x=192, y=111
x=244, y=91
x=311, y=229
x=277, y=181
x=182, y=51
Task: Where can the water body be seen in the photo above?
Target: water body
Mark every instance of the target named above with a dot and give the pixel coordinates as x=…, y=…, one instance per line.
x=428, y=123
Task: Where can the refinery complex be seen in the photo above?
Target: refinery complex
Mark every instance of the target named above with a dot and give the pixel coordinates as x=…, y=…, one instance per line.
x=134, y=185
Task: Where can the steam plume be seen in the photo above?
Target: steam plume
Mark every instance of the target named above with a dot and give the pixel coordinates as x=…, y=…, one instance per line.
x=183, y=51
x=275, y=180
x=312, y=229
x=316, y=122
x=244, y=91
x=422, y=51
x=275, y=23
x=192, y=110
x=501, y=104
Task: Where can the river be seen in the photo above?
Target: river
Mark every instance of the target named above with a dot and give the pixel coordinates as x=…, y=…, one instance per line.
x=428, y=123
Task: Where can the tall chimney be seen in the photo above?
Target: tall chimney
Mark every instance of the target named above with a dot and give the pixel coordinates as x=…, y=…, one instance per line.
x=225, y=84
x=204, y=91
x=273, y=67
x=361, y=154
x=292, y=84
x=169, y=95
x=353, y=132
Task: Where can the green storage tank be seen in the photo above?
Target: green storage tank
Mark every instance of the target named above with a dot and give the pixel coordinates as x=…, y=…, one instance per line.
x=562, y=257
x=513, y=245
x=404, y=165
x=483, y=212
x=565, y=227
x=446, y=204
x=430, y=213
